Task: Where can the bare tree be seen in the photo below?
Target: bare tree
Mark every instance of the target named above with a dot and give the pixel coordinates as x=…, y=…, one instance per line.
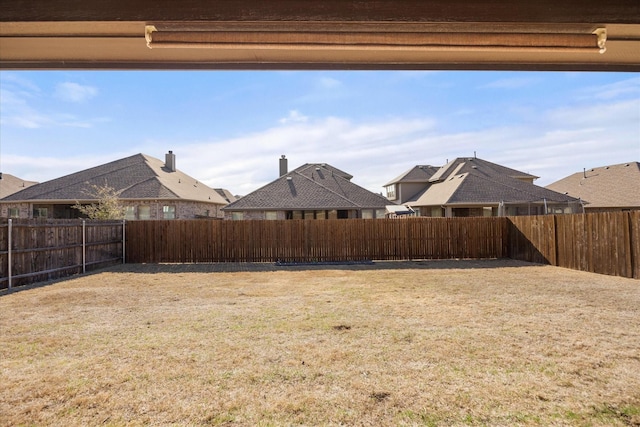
x=108, y=205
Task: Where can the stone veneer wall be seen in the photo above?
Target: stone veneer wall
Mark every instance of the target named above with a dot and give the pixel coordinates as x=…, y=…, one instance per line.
x=23, y=207
x=248, y=215
x=184, y=210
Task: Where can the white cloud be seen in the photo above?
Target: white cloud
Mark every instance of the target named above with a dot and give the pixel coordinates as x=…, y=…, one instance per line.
x=18, y=83
x=294, y=117
x=598, y=114
x=21, y=106
x=74, y=92
x=614, y=90
x=329, y=83
x=246, y=163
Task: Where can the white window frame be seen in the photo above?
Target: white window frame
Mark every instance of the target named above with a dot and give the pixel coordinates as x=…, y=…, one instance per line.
x=169, y=212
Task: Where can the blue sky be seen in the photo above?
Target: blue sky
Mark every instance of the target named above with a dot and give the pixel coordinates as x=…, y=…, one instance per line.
x=229, y=128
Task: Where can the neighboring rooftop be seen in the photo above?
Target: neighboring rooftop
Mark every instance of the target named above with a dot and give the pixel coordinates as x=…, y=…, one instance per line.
x=311, y=186
x=418, y=173
x=10, y=184
x=488, y=169
x=136, y=177
x=226, y=194
x=615, y=186
x=474, y=181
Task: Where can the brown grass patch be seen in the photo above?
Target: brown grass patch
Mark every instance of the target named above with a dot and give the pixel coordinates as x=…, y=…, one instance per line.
x=417, y=345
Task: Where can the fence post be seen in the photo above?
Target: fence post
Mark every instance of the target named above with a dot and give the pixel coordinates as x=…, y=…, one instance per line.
x=124, y=221
x=84, y=247
x=9, y=251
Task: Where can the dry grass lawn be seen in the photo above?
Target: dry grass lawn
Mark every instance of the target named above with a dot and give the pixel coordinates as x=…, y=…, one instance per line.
x=492, y=343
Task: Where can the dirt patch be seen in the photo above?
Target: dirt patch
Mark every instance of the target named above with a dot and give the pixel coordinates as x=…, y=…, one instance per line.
x=430, y=343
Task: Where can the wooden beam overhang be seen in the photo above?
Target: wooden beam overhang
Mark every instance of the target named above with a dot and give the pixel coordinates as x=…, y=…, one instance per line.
x=329, y=34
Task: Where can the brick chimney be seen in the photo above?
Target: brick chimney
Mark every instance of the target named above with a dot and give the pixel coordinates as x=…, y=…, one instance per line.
x=170, y=161
x=284, y=167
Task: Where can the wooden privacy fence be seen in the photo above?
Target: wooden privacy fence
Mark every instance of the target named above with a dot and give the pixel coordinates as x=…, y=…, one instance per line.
x=35, y=250
x=186, y=241
x=605, y=243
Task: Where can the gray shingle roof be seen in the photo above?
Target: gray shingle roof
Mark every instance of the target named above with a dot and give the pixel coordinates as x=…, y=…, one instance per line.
x=418, y=173
x=307, y=167
x=488, y=169
x=476, y=181
x=604, y=187
x=312, y=186
x=137, y=177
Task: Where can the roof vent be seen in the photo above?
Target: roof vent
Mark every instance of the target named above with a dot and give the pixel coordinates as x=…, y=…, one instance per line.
x=289, y=178
x=317, y=169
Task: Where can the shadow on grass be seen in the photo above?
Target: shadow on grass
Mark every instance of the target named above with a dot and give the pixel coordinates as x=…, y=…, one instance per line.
x=352, y=266
x=230, y=267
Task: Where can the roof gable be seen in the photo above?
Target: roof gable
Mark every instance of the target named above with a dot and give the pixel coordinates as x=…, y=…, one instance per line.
x=605, y=186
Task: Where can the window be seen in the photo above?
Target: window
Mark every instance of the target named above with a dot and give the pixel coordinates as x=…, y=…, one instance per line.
x=367, y=213
x=14, y=213
x=271, y=215
x=40, y=212
x=169, y=212
x=236, y=216
x=391, y=192
x=381, y=213
x=130, y=212
x=144, y=212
